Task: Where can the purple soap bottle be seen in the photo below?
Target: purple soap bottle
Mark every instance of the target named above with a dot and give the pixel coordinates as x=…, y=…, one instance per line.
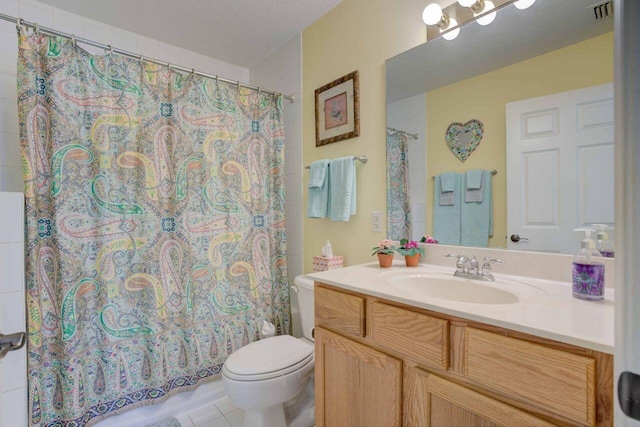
x=588, y=270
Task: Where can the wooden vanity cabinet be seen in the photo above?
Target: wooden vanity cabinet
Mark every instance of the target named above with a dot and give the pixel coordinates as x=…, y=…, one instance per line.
x=361, y=386
x=380, y=363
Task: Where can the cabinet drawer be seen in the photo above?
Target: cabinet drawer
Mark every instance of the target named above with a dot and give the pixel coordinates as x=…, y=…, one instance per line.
x=553, y=380
x=419, y=336
x=340, y=311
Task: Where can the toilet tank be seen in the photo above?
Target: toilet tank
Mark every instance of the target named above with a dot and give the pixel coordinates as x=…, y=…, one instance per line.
x=304, y=290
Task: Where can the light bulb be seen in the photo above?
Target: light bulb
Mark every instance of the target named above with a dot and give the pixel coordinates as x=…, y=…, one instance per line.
x=432, y=14
x=466, y=3
x=452, y=34
x=487, y=19
x=524, y=4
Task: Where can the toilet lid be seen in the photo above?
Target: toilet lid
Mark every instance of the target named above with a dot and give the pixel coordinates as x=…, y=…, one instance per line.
x=276, y=356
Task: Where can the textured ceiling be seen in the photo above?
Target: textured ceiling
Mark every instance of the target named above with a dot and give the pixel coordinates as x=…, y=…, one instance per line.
x=241, y=32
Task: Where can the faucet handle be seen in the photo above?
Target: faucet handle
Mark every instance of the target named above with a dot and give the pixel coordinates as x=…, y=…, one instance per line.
x=486, y=267
x=461, y=261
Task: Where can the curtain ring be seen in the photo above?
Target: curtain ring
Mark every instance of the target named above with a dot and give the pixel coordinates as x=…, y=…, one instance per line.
x=193, y=72
x=142, y=58
x=37, y=28
x=217, y=81
x=169, y=66
x=110, y=49
x=238, y=84
x=19, y=26
x=73, y=40
x=259, y=91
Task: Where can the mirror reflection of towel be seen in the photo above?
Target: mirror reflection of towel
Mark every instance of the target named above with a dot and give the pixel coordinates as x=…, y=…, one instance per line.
x=446, y=218
x=447, y=188
x=474, y=186
x=477, y=217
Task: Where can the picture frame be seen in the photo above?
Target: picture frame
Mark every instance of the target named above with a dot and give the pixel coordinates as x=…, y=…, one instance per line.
x=338, y=110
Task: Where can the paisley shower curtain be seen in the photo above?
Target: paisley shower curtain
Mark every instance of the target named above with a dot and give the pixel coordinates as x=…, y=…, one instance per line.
x=398, y=201
x=155, y=228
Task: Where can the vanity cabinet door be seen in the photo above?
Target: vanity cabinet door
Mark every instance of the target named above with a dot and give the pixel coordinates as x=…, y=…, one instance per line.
x=449, y=404
x=355, y=384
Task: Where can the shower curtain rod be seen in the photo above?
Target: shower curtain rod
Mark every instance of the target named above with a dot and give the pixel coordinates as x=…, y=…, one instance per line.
x=412, y=135
x=20, y=22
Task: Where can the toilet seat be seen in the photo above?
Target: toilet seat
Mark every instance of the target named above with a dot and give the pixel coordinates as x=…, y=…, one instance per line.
x=268, y=358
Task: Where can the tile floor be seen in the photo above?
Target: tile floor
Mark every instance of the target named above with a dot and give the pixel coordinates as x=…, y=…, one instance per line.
x=219, y=413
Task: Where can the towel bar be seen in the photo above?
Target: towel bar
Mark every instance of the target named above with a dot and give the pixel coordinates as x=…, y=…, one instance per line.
x=493, y=172
x=363, y=159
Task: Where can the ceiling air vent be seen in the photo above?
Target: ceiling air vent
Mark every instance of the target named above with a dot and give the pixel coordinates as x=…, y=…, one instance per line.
x=601, y=11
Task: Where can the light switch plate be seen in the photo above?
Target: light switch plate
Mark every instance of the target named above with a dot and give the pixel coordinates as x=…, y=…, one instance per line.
x=376, y=221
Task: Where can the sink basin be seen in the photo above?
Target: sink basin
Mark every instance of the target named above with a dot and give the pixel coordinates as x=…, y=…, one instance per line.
x=446, y=286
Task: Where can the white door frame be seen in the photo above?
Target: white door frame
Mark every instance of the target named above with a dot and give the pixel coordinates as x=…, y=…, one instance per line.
x=627, y=129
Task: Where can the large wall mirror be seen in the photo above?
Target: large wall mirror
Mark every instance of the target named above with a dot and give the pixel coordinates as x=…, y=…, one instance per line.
x=539, y=81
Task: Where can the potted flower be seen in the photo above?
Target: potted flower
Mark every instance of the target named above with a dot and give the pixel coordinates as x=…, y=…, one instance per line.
x=384, y=250
x=428, y=239
x=411, y=252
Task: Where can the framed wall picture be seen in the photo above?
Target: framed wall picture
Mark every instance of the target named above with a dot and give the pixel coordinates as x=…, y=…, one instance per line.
x=338, y=110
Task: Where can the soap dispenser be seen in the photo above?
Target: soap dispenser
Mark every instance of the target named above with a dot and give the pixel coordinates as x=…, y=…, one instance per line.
x=603, y=244
x=588, y=270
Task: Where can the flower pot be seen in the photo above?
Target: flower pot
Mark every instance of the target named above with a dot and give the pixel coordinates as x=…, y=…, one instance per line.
x=412, y=260
x=385, y=260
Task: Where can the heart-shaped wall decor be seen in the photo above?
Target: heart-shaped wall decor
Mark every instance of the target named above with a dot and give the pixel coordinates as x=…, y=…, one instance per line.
x=463, y=139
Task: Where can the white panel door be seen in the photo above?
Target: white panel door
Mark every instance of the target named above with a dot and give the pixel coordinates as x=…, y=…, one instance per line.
x=559, y=168
x=13, y=368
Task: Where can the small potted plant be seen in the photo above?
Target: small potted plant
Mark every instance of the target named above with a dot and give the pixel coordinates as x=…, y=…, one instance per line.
x=384, y=250
x=411, y=252
x=428, y=239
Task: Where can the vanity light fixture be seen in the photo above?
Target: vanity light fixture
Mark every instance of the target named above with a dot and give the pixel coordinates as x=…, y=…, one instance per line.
x=432, y=15
x=479, y=7
x=524, y=4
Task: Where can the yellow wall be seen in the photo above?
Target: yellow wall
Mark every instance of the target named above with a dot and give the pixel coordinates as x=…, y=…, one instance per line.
x=484, y=97
x=355, y=35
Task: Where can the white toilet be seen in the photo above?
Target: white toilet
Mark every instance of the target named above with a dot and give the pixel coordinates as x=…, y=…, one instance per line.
x=272, y=379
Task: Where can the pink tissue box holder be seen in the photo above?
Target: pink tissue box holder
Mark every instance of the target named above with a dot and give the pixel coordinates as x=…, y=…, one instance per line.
x=321, y=263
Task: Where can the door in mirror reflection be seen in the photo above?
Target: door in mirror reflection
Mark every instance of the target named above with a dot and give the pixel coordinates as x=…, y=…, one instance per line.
x=559, y=168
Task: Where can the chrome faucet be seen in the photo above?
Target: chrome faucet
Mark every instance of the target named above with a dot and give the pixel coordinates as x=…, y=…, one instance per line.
x=469, y=268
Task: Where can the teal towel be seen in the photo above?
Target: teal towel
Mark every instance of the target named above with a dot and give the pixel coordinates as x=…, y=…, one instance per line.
x=318, y=173
x=342, y=197
x=446, y=218
x=474, y=179
x=448, y=181
x=477, y=218
x=447, y=188
x=471, y=192
x=318, y=201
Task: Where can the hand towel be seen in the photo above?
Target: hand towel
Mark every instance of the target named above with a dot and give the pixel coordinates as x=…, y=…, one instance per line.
x=342, y=197
x=477, y=218
x=474, y=186
x=447, y=188
x=318, y=173
x=318, y=201
x=446, y=218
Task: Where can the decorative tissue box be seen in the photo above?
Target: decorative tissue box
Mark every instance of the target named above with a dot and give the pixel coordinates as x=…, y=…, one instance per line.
x=321, y=263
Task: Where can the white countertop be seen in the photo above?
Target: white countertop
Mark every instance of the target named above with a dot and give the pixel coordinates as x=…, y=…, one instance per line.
x=548, y=311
